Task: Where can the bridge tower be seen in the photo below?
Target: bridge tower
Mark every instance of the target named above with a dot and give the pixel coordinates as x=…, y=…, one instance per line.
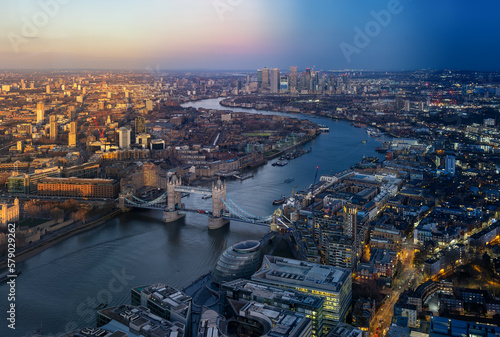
x=121, y=201
x=218, y=207
x=172, y=214
x=275, y=222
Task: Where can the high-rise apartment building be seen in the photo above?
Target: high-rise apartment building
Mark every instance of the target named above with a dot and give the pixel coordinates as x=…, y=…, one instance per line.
x=40, y=112
x=53, y=128
x=449, y=165
x=72, y=134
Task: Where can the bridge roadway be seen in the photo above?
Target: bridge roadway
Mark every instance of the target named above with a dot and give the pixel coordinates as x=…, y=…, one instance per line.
x=190, y=189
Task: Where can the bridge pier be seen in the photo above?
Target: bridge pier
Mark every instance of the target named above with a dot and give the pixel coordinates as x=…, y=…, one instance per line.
x=171, y=216
x=121, y=202
x=215, y=223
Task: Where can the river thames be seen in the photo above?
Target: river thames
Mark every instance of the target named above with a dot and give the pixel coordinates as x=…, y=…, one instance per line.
x=60, y=287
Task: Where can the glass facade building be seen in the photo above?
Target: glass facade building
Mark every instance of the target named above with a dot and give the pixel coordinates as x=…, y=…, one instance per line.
x=240, y=260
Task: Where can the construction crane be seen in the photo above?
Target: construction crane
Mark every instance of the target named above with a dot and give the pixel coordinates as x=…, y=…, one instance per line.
x=101, y=132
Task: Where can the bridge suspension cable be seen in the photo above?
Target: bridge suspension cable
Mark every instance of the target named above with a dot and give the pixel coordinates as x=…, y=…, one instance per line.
x=239, y=212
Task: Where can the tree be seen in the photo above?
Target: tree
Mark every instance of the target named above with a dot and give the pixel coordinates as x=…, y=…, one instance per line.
x=81, y=215
x=31, y=210
x=57, y=214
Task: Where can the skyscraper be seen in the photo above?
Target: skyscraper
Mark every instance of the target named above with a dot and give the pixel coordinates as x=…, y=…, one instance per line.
x=259, y=78
x=265, y=78
x=275, y=80
x=307, y=78
x=284, y=84
x=293, y=78
x=140, y=125
x=40, y=112
x=124, y=138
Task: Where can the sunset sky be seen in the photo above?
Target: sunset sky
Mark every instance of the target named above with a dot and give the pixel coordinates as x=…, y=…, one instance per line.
x=247, y=34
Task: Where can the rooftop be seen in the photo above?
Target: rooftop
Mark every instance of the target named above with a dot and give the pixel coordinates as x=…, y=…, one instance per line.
x=270, y=292
x=139, y=321
x=166, y=297
x=300, y=273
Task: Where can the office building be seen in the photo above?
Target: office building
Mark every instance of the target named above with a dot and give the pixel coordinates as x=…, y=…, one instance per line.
x=143, y=139
x=441, y=327
x=284, y=84
x=47, y=89
x=40, y=112
x=275, y=80
x=140, y=125
x=124, y=138
x=265, y=78
x=240, y=260
x=293, y=78
x=246, y=291
x=257, y=319
x=128, y=320
x=165, y=302
x=87, y=170
x=149, y=105
x=79, y=187
x=340, y=329
x=157, y=144
x=259, y=78
x=334, y=284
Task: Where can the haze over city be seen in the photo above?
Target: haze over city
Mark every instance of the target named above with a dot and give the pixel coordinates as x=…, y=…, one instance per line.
x=244, y=34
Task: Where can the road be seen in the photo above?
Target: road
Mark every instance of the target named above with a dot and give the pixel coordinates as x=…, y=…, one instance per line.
x=383, y=317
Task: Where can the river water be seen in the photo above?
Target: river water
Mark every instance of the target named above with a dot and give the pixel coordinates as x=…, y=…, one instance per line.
x=60, y=287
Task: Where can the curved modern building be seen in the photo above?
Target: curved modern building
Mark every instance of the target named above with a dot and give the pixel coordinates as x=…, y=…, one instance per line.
x=240, y=260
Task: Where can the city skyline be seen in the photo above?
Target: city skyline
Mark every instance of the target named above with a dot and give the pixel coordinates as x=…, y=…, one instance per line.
x=245, y=35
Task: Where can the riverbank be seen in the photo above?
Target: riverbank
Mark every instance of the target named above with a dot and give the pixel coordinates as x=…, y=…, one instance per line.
x=225, y=104
x=32, y=251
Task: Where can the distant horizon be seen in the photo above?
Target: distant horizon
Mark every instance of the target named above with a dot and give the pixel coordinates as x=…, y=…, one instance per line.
x=214, y=70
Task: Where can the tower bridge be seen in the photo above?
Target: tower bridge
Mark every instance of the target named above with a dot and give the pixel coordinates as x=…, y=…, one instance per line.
x=223, y=209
